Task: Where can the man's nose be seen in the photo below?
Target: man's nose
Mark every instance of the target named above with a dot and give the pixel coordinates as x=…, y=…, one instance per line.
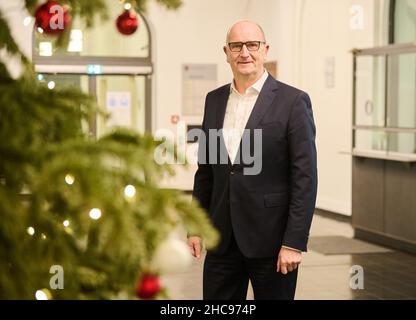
x=244, y=51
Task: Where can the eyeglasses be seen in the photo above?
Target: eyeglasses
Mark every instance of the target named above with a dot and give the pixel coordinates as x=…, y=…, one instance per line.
x=250, y=45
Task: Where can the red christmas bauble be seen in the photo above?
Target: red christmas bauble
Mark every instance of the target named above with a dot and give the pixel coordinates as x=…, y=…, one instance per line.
x=148, y=287
x=52, y=18
x=127, y=22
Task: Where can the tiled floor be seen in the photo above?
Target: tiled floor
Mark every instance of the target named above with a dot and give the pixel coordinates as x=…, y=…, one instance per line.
x=390, y=275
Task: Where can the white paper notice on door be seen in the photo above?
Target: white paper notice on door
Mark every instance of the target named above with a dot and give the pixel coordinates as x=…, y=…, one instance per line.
x=119, y=107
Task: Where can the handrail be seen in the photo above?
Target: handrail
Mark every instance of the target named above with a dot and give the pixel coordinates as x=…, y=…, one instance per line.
x=386, y=50
x=384, y=129
x=384, y=155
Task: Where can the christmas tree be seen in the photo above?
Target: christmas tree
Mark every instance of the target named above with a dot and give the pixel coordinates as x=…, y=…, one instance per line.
x=89, y=207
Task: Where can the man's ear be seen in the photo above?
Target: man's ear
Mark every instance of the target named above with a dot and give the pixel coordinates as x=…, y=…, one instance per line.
x=266, y=49
x=225, y=51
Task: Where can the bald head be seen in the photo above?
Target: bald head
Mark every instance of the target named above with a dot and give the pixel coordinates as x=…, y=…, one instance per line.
x=244, y=26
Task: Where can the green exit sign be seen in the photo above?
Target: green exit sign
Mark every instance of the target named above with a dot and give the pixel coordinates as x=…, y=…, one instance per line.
x=94, y=69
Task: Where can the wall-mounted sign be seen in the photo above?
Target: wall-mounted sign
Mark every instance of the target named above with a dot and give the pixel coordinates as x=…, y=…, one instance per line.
x=357, y=17
x=94, y=69
x=329, y=72
x=197, y=81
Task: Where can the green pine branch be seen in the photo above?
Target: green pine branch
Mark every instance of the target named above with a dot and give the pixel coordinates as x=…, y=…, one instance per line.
x=43, y=142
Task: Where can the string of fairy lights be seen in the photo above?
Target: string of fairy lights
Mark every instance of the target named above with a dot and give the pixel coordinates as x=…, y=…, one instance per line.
x=94, y=214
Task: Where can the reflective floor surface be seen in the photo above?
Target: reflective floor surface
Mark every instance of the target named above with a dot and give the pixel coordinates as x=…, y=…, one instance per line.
x=387, y=275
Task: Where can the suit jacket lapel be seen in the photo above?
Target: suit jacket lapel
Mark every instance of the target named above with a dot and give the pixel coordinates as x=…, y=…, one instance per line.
x=264, y=100
x=220, y=115
x=222, y=106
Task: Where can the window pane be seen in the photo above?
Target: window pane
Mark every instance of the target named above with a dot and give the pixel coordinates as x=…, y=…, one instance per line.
x=370, y=91
x=61, y=81
x=402, y=142
x=64, y=81
x=385, y=142
x=123, y=98
x=102, y=40
x=405, y=21
x=402, y=91
x=370, y=140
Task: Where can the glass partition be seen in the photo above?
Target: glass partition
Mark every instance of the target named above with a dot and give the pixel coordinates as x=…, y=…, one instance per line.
x=370, y=99
x=385, y=102
x=123, y=97
x=404, y=21
x=401, y=91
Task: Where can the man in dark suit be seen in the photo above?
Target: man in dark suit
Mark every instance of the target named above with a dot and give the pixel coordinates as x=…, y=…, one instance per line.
x=263, y=215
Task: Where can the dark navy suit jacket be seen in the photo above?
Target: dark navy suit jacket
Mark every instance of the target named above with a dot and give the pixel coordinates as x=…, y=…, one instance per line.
x=275, y=206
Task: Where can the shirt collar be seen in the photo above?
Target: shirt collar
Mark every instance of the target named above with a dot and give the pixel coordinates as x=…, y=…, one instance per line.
x=258, y=85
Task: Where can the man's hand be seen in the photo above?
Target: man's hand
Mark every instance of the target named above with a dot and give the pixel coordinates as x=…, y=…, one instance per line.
x=195, y=245
x=288, y=260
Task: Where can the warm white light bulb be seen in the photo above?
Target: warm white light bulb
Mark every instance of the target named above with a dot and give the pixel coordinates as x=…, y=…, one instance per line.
x=45, y=48
x=69, y=179
x=43, y=236
x=51, y=84
x=40, y=30
x=129, y=191
x=127, y=6
x=31, y=231
x=41, y=295
x=95, y=213
x=27, y=21
x=66, y=223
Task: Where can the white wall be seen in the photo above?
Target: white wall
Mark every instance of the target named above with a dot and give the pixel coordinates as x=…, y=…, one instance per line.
x=322, y=30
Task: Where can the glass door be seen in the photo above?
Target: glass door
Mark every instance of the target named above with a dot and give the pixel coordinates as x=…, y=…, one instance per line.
x=122, y=97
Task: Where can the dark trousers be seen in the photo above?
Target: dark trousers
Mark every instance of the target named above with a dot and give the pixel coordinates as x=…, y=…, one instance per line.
x=226, y=277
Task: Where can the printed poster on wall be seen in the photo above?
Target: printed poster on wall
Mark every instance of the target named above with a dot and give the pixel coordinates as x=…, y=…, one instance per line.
x=197, y=81
x=119, y=106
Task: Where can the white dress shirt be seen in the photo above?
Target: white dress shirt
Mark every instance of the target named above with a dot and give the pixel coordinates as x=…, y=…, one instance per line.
x=239, y=108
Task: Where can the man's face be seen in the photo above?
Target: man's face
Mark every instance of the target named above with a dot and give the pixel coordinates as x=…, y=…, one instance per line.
x=246, y=62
